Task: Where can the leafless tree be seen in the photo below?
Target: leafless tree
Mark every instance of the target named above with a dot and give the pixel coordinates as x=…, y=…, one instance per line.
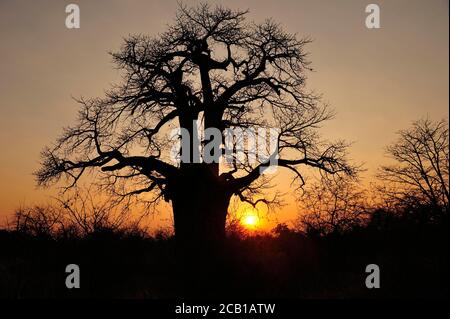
x=215, y=67
x=420, y=174
x=37, y=220
x=333, y=206
x=79, y=213
x=87, y=212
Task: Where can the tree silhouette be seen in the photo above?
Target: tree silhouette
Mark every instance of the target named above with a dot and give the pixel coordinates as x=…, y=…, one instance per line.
x=214, y=67
x=80, y=214
x=333, y=206
x=420, y=174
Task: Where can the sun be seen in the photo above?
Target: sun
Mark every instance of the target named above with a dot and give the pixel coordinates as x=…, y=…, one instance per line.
x=250, y=220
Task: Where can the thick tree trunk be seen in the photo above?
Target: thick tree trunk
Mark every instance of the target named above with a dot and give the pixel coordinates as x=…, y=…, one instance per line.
x=199, y=219
x=200, y=206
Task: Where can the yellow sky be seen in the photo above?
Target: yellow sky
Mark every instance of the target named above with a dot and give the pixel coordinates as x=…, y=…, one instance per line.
x=377, y=80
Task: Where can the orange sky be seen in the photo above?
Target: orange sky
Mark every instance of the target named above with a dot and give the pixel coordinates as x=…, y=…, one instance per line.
x=378, y=81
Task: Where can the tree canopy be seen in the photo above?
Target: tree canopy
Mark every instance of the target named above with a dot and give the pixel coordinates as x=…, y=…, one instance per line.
x=211, y=66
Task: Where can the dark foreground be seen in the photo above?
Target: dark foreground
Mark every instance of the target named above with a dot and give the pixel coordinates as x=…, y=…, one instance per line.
x=413, y=261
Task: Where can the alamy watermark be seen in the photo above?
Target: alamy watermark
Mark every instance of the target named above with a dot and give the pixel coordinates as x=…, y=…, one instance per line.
x=372, y=20
x=236, y=145
x=73, y=277
x=73, y=17
x=373, y=17
x=373, y=279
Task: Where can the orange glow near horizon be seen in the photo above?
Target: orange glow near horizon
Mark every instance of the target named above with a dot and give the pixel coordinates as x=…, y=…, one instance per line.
x=352, y=66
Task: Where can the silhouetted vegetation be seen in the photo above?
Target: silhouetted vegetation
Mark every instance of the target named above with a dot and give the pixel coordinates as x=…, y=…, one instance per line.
x=212, y=71
x=403, y=229
x=333, y=205
x=213, y=67
x=127, y=262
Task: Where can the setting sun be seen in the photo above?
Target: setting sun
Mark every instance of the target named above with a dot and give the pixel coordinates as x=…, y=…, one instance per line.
x=250, y=220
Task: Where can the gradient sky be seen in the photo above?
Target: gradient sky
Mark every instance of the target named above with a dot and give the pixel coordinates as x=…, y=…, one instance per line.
x=377, y=80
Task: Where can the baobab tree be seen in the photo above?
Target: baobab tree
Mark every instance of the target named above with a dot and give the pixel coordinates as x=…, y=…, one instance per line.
x=211, y=69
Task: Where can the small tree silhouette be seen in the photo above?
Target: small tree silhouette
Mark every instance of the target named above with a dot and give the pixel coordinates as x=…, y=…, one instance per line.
x=420, y=175
x=333, y=206
x=41, y=221
x=79, y=214
x=211, y=66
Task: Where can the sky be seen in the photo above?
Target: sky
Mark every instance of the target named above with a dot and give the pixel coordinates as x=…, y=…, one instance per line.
x=377, y=80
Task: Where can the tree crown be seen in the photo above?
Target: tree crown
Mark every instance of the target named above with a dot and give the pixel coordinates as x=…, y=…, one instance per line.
x=211, y=66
